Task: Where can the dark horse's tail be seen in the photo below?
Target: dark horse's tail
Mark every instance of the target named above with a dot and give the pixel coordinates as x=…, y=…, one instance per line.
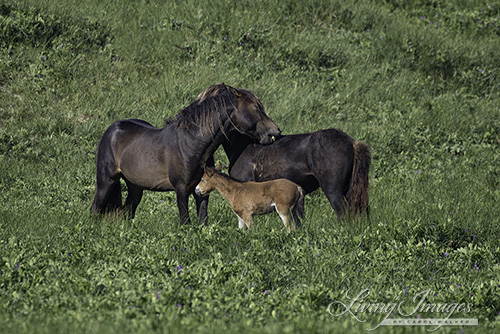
x=357, y=195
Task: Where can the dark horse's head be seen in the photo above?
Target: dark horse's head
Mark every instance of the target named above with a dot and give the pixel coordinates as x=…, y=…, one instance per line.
x=245, y=112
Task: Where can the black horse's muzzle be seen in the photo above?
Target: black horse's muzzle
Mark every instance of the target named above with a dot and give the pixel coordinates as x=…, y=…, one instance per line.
x=271, y=137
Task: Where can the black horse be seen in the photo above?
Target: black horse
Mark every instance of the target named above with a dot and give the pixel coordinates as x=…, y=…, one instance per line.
x=329, y=159
x=172, y=158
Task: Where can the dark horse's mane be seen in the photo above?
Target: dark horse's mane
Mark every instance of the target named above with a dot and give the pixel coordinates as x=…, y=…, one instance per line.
x=200, y=113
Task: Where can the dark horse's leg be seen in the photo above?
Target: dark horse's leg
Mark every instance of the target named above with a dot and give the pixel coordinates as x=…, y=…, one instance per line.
x=202, y=201
x=182, y=204
x=201, y=207
x=335, y=195
x=133, y=198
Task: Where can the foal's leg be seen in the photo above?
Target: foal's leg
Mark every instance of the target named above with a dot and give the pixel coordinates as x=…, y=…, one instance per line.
x=133, y=198
x=286, y=217
x=241, y=223
x=245, y=219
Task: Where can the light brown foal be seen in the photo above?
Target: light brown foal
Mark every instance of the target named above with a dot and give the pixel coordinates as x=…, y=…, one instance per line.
x=256, y=198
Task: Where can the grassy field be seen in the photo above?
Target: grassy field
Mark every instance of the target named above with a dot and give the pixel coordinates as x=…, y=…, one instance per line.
x=418, y=81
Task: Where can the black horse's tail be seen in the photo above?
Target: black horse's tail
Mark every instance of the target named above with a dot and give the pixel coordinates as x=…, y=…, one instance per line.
x=357, y=195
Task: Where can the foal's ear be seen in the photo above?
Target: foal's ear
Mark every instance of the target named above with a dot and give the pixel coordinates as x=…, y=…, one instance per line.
x=219, y=167
x=209, y=171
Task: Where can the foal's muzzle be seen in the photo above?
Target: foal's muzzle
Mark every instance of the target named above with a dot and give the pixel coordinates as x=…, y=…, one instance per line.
x=198, y=191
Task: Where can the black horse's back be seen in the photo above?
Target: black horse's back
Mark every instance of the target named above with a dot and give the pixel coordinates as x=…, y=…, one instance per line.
x=325, y=158
x=298, y=157
x=133, y=123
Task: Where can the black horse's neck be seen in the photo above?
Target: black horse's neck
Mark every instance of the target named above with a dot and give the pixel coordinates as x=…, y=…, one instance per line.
x=234, y=146
x=207, y=157
x=206, y=126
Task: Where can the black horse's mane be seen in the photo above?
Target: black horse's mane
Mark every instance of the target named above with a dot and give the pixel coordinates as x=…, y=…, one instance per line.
x=209, y=103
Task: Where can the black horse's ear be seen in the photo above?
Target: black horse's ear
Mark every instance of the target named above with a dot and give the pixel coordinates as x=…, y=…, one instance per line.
x=225, y=86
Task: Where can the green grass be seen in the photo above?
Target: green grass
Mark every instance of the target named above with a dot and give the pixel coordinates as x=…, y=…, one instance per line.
x=418, y=81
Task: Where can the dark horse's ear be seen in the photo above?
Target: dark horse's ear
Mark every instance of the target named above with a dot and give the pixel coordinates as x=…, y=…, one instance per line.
x=230, y=89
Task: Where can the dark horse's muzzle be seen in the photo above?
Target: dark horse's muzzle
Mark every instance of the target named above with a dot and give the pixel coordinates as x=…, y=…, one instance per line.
x=270, y=138
x=269, y=135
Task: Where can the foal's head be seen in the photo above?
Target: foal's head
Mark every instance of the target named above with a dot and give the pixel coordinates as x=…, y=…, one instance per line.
x=206, y=184
x=248, y=115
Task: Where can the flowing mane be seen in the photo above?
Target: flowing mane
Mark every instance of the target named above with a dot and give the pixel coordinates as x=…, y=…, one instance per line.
x=212, y=100
x=204, y=112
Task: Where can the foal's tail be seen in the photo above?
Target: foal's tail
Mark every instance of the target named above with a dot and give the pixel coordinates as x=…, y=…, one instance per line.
x=297, y=210
x=300, y=203
x=357, y=195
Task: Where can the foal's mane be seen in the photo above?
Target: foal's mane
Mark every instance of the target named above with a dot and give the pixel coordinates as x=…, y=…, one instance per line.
x=214, y=104
x=224, y=175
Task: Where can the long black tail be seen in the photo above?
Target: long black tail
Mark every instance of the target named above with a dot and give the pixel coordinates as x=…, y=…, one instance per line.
x=357, y=195
x=114, y=201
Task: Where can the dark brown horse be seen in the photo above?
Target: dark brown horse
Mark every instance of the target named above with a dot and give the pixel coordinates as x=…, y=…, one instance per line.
x=172, y=158
x=329, y=159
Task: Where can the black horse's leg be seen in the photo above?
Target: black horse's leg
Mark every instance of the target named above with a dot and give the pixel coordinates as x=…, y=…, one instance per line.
x=202, y=201
x=108, y=195
x=133, y=198
x=201, y=207
x=182, y=205
x=337, y=202
x=335, y=197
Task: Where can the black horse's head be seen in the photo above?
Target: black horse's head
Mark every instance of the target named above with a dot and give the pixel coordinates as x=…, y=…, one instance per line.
x=247, y=115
